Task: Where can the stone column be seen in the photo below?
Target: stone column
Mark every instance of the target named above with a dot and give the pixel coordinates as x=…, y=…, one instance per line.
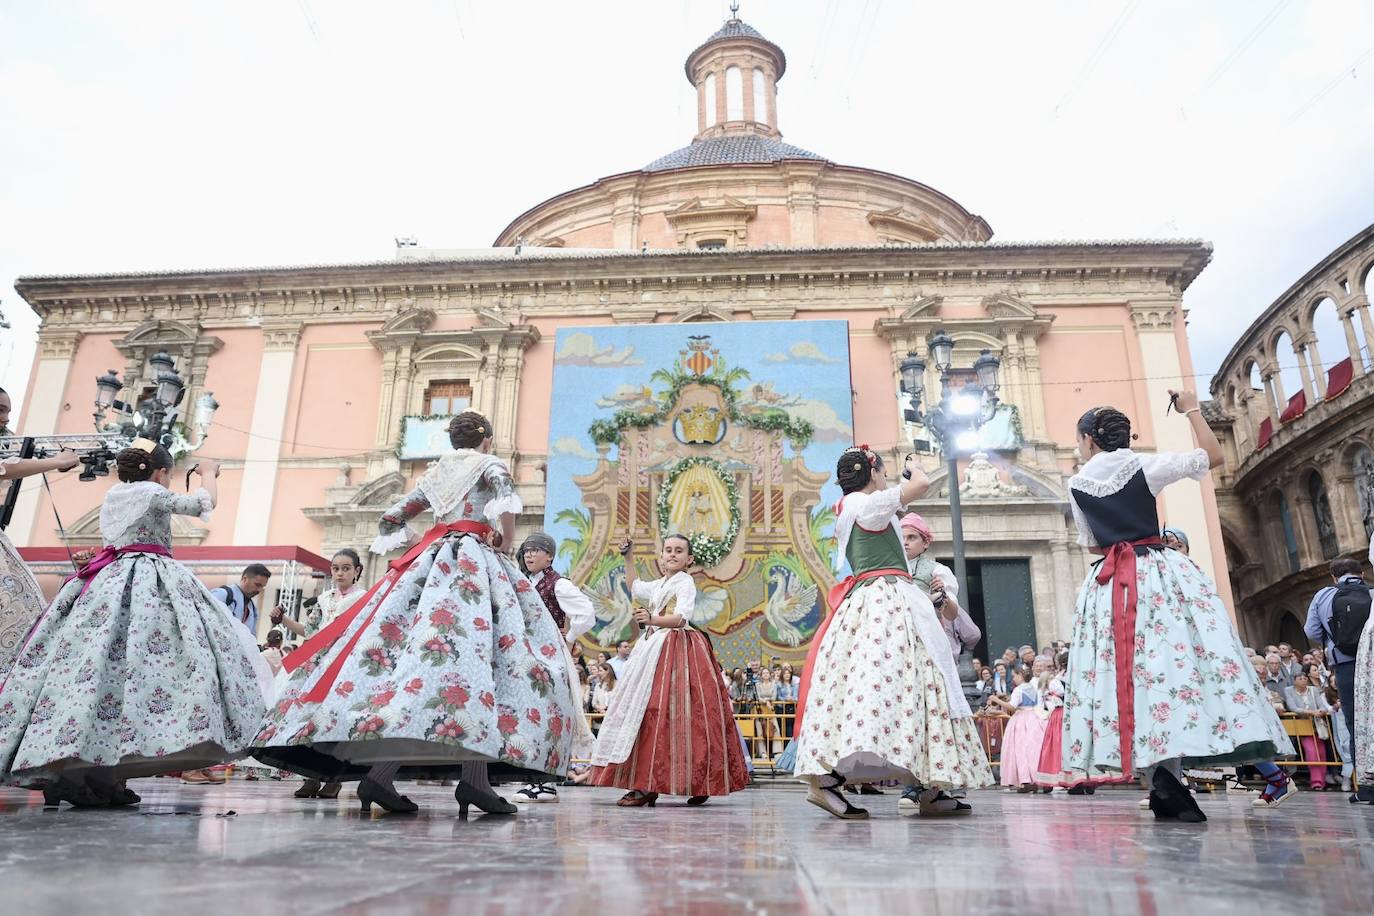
x=1318, y=367
x=1064, y=590
x=40, y=416
x=1275, y=383
x=1352, y=342
x=262, y=455
x=1361, y=304
x=1306, y=372
x=1036, y=398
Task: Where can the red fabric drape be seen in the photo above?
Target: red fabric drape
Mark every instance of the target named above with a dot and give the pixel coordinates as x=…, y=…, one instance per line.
x=1266, y=432
x=1339, y=378
x=1297, y=406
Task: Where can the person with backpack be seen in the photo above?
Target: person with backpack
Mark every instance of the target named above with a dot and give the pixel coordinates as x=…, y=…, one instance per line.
x=1337, y=618
x=239, y=598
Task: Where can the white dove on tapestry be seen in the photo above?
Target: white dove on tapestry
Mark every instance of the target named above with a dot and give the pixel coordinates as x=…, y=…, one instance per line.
x=788, y=602
x=612, y=605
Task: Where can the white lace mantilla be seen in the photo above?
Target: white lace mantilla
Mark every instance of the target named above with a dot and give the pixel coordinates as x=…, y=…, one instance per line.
x=448, y=480
x=1106, y=473
x=126, y=503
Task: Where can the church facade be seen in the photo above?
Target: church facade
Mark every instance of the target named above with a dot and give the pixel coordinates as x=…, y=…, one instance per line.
x=331, y=375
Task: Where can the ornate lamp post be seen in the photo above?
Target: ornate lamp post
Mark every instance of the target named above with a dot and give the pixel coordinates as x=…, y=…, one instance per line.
x=154, y=418
x=954, y=420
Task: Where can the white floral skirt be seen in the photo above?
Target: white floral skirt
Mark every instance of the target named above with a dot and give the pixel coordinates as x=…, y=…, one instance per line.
x=144, y=673
x=1196, y=695
x=461, y=661
x=878, y=706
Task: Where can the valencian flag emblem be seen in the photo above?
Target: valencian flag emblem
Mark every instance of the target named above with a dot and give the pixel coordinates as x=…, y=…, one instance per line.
x=698, y=357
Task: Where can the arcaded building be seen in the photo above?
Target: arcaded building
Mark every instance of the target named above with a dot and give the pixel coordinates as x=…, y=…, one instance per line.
x=322, y=369
x=1297, y=489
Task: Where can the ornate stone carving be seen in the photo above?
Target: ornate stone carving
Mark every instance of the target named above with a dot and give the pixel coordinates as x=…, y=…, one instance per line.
x=726, y=219
x=982, y=481
x=1154, y=316
x=278, y=338
x=896, y=225
x=58, y=346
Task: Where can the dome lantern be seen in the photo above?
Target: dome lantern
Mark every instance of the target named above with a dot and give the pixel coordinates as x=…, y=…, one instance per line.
x=736, y=73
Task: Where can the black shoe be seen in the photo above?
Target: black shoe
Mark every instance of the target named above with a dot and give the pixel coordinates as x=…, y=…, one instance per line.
x=869, y=789
x=309, y=789
x=370, y=793
x=489, y=802
x=1170, y=799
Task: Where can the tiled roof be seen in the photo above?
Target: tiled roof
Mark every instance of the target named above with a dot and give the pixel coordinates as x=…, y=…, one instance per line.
x=735, y=148
x=736, y=28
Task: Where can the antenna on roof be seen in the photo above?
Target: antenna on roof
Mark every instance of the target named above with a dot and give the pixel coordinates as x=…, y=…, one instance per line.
x=519, y=243
x=407, y=241
x=734, y=10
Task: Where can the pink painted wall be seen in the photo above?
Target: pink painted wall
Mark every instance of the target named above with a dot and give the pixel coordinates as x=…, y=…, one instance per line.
x=1085, y=361
x=335, y=393
x=298, y=487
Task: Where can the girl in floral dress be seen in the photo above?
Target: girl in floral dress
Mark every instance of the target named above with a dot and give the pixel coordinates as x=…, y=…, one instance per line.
x=345, y=569
x=449, y=663
x=135, y=669
x=1157, y=675
x=880, y=697
x=669, y=728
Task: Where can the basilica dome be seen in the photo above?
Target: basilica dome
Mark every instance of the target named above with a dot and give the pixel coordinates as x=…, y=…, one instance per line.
x=738, y=185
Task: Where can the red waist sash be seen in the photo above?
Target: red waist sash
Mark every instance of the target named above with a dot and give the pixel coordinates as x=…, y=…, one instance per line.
x=1118, y=568
x=328, y=635
x=834, y=598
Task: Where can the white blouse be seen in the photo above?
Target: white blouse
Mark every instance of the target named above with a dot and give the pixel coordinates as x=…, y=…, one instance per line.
x=678, y=590
x=1107, y=472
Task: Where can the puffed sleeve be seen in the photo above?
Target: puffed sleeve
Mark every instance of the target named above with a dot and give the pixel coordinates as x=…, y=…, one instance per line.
x=877, y=509
x=1085, y=533
x=197, y=504
x=506, y=499
x=577, y=607
x=685, y=591
x=1164, y=468
x=643, y=592
x=392, y=530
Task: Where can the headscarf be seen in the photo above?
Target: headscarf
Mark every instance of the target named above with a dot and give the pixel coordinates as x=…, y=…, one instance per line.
x=917, y=524
x=1178, y=533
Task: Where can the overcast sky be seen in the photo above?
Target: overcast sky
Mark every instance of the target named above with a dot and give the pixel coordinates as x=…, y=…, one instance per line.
x=144, y=135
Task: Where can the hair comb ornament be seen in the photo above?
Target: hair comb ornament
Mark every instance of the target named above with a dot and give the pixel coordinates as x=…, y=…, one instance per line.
x=144, y=445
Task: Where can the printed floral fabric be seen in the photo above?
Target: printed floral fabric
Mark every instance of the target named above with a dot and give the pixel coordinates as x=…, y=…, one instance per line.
x=21, y=602
x=145, y=673
x=878, y=706
x=1364, y=705
x=461, y=661
x=1196, y=694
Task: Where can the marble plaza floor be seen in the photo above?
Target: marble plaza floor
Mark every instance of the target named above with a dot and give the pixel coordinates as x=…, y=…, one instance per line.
x=763, y=851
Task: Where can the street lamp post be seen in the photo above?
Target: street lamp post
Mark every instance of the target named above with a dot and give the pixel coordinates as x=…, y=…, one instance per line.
x=955, y=420
x=154, y=418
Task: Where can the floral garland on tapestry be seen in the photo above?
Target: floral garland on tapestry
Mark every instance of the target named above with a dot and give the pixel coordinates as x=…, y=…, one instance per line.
x=706, y=550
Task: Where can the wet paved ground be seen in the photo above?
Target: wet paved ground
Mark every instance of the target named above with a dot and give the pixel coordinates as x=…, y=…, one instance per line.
x=762, y=851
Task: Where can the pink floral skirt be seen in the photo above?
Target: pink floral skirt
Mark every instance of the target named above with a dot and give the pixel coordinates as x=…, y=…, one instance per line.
x=1021, y=747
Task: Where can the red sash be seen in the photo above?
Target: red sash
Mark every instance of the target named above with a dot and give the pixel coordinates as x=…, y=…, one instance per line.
x=1118, y=568
x=328, y=635
x=834, y=598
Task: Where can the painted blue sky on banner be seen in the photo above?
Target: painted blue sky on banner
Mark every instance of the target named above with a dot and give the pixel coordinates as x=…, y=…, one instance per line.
x=801, y=367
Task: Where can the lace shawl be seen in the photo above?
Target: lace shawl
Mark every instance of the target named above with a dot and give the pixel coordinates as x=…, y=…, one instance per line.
x=126, y=503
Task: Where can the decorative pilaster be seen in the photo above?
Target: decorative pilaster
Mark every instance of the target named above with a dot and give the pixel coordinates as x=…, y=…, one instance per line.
x=40, y=415
x=262, y=453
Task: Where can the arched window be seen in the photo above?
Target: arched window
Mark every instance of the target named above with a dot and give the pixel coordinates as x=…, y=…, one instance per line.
x=760, y=98
x=1321, y=514
x=734, y=94
x=1290, y=542
x=712, y=116
x=1363, y=466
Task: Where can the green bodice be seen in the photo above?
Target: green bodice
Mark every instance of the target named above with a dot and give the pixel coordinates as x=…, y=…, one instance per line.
x=868, y=550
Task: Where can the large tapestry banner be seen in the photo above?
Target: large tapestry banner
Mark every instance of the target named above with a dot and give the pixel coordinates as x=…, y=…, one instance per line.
x=726, y=433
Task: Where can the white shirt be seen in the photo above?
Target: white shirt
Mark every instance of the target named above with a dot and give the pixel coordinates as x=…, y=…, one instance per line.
x=675, y=594
x=576, y=606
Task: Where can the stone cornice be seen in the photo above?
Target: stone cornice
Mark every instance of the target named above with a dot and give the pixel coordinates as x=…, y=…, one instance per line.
x=1067, y=272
